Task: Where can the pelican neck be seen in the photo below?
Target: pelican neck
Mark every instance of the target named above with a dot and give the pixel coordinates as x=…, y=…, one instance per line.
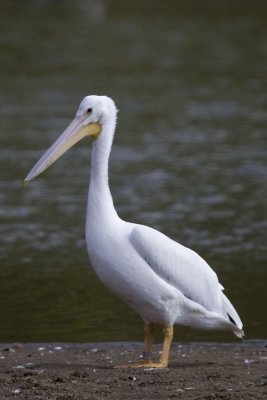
x=100, y=201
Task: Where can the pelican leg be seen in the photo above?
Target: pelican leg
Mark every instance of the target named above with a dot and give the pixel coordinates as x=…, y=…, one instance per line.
x=164, y=358
x=148, y=342
x=168, y=335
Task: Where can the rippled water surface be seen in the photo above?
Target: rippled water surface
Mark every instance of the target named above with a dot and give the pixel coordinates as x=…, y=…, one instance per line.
x=189, y=157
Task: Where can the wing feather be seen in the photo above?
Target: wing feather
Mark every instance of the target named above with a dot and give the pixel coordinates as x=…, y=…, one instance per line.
x=179, y=266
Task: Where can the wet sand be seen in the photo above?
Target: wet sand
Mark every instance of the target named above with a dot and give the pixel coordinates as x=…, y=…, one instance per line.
x=85, y=371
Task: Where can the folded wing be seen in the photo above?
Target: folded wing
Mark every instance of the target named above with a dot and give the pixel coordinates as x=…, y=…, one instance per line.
x=179, y=266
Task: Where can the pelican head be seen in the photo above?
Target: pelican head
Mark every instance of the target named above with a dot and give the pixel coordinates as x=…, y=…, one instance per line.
x=93, y=113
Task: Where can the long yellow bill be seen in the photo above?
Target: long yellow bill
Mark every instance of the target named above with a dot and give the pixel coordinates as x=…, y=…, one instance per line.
x=76, y=131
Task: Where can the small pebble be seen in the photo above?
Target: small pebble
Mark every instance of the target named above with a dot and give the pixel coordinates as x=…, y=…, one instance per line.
x=249, y=361
x=16, y=391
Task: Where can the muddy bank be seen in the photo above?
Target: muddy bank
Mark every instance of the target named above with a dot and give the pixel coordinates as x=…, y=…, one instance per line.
x=81, y=372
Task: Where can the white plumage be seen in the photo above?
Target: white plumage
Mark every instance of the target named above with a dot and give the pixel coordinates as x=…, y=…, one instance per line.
x=165, y=282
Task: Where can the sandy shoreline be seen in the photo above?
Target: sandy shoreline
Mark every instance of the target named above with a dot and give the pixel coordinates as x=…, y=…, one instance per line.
x=85, y=371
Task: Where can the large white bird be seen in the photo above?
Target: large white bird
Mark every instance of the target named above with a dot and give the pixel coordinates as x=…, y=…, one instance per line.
x=163, y=281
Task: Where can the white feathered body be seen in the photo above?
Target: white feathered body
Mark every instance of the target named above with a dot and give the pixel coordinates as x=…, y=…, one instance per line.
x=175, y=285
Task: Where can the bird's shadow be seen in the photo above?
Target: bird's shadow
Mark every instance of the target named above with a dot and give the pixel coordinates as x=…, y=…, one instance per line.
x=93, y=366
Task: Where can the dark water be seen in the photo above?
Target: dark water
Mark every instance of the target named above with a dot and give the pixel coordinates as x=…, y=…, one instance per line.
x=189, y=158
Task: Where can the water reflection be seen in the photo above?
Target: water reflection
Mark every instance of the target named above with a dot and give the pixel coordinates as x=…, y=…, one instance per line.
x=189, y=156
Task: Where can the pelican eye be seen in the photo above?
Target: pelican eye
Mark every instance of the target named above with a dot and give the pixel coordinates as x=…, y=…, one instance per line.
x=89, y=110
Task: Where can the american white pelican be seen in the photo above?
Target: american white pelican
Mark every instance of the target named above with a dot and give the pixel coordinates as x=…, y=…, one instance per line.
x=163, y=281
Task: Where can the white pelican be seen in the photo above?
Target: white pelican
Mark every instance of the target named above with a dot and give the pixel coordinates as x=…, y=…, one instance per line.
x=163, y=281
